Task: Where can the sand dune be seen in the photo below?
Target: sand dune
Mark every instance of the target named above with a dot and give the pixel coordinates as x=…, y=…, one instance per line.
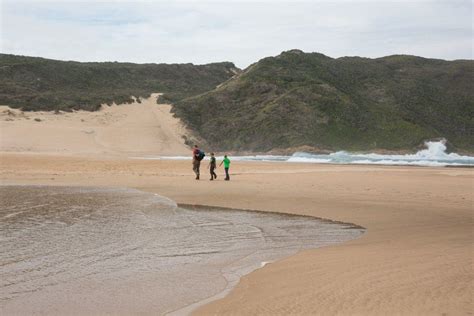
x=128, y=129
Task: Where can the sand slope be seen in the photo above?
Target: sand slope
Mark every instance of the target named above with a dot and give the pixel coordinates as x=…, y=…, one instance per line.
x=143, y=128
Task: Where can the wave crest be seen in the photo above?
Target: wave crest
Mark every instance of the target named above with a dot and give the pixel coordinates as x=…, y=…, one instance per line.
x=434, y=155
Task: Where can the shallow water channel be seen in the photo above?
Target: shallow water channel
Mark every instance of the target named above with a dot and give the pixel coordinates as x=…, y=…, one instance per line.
x=84, y=250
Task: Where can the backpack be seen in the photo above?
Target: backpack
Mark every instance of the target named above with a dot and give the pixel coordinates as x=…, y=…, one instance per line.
x=200, y=155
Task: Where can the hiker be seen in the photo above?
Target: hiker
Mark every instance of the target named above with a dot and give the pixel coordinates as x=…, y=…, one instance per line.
x=212, y=167
x=226, y=162
x=196, y=161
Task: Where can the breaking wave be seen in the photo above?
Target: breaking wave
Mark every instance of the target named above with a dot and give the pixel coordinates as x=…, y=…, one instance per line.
x=434, y=155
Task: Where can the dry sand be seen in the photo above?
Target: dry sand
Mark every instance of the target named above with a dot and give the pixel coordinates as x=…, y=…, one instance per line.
x=416, y=257
x=144, y=128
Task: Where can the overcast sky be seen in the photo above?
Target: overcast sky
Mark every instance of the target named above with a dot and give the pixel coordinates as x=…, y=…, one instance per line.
x=239, y=31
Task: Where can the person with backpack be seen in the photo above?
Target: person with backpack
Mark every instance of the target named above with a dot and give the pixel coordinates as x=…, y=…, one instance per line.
x=212, y=167
x=226, y=162
x=198, y=155
x=196, y=161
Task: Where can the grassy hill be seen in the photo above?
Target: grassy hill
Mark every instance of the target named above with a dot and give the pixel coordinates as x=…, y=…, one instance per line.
x=308, y=99
x=43, y=84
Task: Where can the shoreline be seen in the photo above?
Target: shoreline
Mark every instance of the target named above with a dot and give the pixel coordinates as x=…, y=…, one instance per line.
x=191, y=308
x=413, y=259
x=219, y=208
x=316, y=232
x=122, y=156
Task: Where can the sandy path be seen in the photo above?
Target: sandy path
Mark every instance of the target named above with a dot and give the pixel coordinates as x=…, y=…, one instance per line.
x=144, y=128
x=415, y=259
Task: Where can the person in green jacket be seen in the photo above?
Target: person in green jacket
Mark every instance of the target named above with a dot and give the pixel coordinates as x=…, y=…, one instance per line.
x=226, y=162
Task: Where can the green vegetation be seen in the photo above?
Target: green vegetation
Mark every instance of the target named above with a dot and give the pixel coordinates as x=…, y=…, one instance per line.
x=308, y=99
x=291, y=100
x=35, y=84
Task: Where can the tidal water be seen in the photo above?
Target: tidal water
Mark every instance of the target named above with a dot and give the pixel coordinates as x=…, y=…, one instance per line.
x=84, y=250
x=435, y=155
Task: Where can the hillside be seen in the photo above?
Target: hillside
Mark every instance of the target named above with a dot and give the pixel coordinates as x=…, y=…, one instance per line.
x=308, y=99
x=33, y=83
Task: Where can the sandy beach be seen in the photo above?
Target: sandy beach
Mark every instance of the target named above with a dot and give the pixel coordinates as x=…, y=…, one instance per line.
x=415, y=258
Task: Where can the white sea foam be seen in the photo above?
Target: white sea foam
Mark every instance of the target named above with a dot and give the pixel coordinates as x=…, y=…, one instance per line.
x=434, y=155
x=308, y=159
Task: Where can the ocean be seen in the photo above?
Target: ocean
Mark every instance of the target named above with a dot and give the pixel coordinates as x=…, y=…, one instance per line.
x=89, y=250
x=434, y=155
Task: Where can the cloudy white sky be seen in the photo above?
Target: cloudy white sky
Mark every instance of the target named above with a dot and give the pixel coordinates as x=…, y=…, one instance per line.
x=238, y=31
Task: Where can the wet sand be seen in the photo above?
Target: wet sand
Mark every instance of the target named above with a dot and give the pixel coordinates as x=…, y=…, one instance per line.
x=90, y=250
x=415, y=258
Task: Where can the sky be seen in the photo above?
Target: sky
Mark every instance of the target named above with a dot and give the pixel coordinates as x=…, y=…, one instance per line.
x=242, y=31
